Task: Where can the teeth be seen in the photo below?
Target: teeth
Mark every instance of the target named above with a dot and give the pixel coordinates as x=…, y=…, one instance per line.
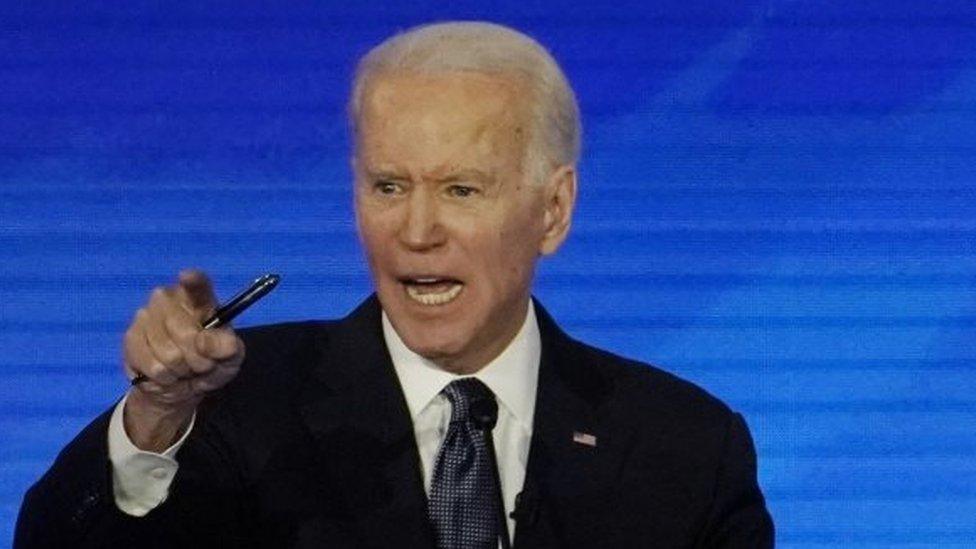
x=433, y=298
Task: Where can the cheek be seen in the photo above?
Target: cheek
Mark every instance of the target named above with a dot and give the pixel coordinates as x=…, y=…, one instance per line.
x=512, y=255
x=374, y=250
x=374, y=231
x=521, y=237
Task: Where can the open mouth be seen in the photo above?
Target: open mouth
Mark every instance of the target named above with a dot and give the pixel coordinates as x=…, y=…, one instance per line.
x=432, y=290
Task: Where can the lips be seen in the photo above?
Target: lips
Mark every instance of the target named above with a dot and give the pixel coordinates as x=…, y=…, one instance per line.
x=432, y=290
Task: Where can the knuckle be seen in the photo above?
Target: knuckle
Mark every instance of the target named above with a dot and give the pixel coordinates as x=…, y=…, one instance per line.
x=225, y=344
x=229, y=369
x=203, y=342
x=200, y=364
x=167, y=394
x=127, y=367
x=159, y=373
x=179, y=327
x=169, y=354
x=228, y=342
x=203, y=385
x=226, y=373
x=215, y=344
x=134, y=346
x=140, y=318
x=150, y=387
x=130, y=337
x=212, y=381
x=129, y=358
x=158, y=293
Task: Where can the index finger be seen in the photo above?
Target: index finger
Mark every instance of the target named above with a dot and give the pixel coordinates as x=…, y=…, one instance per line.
x=195, y=291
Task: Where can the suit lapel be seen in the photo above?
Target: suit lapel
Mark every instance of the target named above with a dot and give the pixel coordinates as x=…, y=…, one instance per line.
x=576, y=451
x=355, y=409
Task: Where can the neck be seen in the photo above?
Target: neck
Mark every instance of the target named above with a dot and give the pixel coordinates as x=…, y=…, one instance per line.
x=486, y=346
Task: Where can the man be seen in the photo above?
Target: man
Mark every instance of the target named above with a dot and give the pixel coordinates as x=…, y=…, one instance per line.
x=357, y=433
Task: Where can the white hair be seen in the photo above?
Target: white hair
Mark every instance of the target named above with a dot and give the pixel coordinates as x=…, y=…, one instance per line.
x=554, y=137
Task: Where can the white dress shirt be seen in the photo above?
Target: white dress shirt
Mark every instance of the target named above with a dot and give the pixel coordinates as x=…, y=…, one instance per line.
x=513, y=376
x=141, y=479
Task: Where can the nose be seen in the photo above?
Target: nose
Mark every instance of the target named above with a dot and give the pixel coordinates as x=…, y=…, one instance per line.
x=421, y=228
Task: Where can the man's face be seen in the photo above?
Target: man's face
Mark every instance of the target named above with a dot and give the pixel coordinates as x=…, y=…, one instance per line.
x=451, y=224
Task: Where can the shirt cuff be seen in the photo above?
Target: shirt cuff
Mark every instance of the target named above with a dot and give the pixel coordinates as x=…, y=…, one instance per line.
x=140, y=479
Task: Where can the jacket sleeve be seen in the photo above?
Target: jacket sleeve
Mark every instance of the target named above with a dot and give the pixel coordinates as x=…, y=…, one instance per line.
x=738, y=515
x=73, y=504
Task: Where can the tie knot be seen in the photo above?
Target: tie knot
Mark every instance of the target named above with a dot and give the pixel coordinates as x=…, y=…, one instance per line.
x=462, y=393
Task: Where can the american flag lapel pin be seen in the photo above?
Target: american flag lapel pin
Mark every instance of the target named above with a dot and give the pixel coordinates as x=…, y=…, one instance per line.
x=586, y=439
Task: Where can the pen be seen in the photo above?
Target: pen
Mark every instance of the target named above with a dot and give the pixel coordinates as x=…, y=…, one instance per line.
x=237, y=305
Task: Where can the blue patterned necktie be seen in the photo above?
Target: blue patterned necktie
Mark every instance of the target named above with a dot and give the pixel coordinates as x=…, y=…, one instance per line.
x=462, y=498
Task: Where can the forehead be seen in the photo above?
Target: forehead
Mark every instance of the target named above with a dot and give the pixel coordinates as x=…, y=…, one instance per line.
x=455, y=116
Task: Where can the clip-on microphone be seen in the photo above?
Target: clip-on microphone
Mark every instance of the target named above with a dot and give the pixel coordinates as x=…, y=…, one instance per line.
x=484, y=415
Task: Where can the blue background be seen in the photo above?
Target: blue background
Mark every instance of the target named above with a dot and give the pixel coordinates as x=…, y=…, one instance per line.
x=777, y=202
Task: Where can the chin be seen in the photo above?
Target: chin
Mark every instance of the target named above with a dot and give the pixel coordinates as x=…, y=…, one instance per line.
x=445, y=334
x=431, y=343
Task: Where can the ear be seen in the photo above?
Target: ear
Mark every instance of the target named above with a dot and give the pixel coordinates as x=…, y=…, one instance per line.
x=559, y=196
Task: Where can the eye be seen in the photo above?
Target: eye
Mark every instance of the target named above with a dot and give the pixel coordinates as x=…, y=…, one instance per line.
x=386, y=187
x=461, y=191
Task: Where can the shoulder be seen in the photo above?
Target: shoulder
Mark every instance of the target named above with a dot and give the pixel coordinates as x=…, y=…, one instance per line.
x=684, y=447
x=674, y=426
x=633, y=390
x=648, y=391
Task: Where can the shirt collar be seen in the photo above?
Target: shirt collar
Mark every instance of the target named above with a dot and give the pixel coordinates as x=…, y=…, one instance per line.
x=513, y=375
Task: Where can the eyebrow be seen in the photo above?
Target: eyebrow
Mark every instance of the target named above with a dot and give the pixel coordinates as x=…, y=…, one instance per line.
x=451, y=177
x=466, y=175
x=386, y=175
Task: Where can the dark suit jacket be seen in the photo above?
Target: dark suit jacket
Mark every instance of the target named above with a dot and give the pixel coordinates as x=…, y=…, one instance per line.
x=312, y=446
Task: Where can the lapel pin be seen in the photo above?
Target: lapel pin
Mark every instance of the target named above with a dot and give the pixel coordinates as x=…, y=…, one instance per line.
x=585, y=439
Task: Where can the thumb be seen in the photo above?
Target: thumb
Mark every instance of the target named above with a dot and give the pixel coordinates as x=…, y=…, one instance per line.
x=196, y=291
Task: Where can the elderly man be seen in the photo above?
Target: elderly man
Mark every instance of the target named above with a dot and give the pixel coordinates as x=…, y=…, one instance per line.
x=364, y=432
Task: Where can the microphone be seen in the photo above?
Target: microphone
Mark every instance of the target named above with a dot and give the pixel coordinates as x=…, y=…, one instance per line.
x=484, y=415
x=526, y=510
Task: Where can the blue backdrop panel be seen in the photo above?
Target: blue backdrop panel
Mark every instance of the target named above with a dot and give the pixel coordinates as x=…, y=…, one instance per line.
x=777, y=202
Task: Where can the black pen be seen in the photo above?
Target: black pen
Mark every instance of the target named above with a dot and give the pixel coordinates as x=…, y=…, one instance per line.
x=237, y=305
